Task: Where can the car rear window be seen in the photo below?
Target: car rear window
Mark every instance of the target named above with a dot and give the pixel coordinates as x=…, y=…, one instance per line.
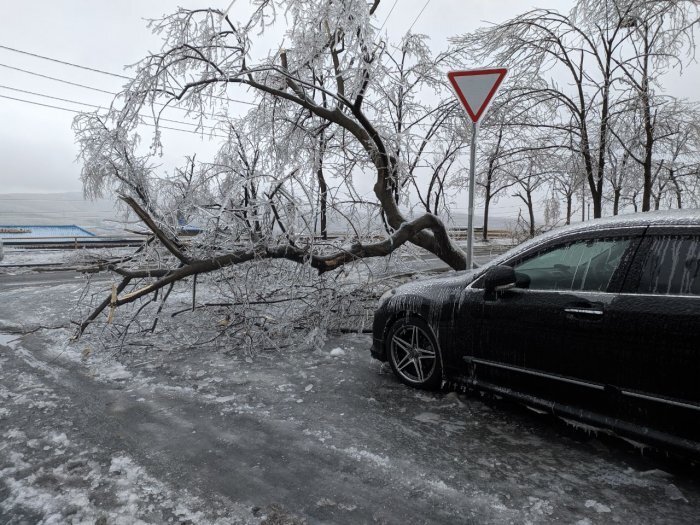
x=672, y=266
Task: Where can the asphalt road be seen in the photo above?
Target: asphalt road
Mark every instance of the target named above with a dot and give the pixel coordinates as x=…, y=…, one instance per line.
x=178, y=433
x=9, y=281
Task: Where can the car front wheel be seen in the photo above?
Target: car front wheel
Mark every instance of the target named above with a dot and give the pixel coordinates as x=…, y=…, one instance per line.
x=414, y=355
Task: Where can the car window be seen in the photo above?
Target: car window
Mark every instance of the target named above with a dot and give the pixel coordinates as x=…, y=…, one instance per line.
x=583, y=265
x=672, y=266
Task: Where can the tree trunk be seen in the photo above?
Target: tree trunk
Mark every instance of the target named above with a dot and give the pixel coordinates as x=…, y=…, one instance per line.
x=595, y=184
x=323, y=188
x=676, y=187
x=531, y=211
x=616, y=201
x=487, y=204
x=648, y=126
x=597, y=199
x=569, y=199
x=646, y=191
x=602, y=147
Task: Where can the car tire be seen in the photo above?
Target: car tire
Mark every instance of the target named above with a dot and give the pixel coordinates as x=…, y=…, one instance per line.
x=413, y=353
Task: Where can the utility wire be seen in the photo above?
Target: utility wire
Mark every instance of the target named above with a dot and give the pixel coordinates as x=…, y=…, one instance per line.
x=391, y=55
x=94, y=70
x=98, y=107
x=87, y=87
x=163, y=119
x=58, y=79
x=76, y=111
x=65, y=63
x=385, y=20
x=419, y=15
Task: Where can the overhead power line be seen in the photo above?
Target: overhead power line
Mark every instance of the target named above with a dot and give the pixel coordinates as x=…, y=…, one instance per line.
x=419, y=15
x=58, y=79
x=26, y=92
x=387, y=16
x=88, y=87
x=94, y=70
x=81, y=85
x=142, y=123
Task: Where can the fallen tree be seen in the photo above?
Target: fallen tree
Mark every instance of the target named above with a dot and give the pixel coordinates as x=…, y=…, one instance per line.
x=314, y=132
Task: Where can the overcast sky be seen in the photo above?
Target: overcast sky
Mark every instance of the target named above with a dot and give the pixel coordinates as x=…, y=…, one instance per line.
x=36, y=143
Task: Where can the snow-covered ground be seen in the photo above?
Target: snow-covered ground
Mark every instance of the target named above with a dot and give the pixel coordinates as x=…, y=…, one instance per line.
x=171, y=429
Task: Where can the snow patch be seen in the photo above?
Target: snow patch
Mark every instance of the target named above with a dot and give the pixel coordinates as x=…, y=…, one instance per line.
x=14, y=433
x=224, y=399
x=428, y=417
x=59, y=439
x=364, y=455
x=337, y=352
x=674, y=493
x=598, y=507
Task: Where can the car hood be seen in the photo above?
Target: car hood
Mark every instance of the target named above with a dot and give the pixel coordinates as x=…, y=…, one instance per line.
x=431, y=288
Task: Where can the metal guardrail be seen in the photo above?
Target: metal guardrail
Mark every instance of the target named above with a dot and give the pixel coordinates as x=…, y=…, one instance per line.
x=64, y=242
x=75, y=242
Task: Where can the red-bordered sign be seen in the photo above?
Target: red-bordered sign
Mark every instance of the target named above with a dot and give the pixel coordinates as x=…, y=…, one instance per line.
x=475, y=88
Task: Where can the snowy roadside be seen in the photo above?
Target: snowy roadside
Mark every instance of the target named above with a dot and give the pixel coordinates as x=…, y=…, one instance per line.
x=317, y=432
x=49, y=474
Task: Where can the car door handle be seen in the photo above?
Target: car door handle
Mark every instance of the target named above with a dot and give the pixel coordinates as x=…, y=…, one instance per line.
x=584, y=311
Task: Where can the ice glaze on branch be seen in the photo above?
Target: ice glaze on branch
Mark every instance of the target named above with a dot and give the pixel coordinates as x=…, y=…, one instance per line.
x=319, y=109
x=172, y=245
x=323, y=263
x=356, y=123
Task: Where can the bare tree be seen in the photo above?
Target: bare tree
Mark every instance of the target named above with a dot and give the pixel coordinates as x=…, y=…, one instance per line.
x=511, y=131
x=550, y=45
x=493, y=177
x=566, y=181
x=530, y=176
x=661, y=36
x=426, y=143
x=677, y=155
x=618, y=174
x=602, y=58
x=656, y=160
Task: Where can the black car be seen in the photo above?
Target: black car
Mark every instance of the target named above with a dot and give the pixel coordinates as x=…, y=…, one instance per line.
x=597, y=322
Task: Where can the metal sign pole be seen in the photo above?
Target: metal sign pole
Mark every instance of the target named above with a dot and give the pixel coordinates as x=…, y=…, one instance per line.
x=470, y=216
x=475, y=88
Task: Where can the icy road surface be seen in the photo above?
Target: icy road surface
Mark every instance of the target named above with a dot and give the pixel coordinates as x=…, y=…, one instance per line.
x=199, y=435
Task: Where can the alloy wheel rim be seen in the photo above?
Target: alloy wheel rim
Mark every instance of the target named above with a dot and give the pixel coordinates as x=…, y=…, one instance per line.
x=413, y=354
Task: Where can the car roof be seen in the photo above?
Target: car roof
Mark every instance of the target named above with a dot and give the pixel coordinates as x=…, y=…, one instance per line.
x=655, y=218
x=690, y=217
x=668, y=217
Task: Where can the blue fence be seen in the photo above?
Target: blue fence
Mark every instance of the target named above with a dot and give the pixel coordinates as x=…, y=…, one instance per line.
x=10, y=232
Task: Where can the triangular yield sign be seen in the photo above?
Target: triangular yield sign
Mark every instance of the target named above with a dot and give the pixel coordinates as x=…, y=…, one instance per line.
x=475, y=88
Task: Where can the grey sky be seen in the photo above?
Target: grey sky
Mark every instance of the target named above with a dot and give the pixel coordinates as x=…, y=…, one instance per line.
x=36, y=144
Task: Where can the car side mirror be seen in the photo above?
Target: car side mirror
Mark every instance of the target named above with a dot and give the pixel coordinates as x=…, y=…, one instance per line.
x=499, y=278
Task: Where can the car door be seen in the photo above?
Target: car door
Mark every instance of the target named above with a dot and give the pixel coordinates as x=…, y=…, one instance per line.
x=547, y=336
x=654, y=360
